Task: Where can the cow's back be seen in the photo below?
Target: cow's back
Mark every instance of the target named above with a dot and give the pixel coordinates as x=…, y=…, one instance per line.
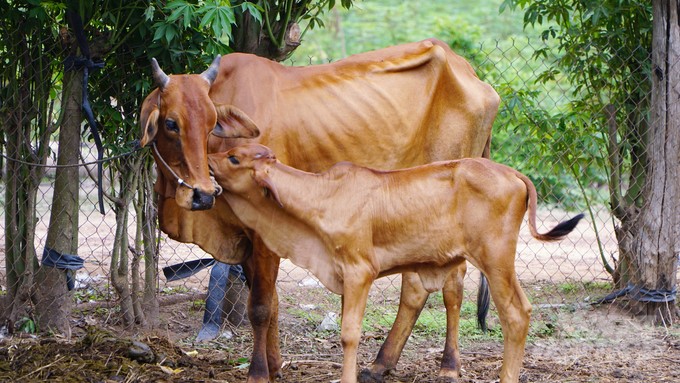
x=391, y=108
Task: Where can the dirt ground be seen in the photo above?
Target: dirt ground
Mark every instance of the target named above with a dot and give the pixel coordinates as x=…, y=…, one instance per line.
x=585, y=345
x=568, y=342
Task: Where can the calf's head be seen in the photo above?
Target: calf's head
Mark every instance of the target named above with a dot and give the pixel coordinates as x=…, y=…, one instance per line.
x=245, y=169
x=176, y=119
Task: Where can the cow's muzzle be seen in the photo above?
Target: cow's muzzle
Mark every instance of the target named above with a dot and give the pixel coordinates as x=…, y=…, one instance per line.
x=202, y=200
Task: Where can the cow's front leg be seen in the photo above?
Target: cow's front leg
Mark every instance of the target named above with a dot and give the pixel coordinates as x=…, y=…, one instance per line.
x=262, y=269
x=355, y=295
x=411, y=303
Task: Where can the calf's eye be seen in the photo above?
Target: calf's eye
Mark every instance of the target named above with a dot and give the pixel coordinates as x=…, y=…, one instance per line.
x=234, y=160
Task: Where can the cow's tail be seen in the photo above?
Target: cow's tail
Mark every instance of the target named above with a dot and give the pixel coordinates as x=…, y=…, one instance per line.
x=483, y=302
x=556, y=233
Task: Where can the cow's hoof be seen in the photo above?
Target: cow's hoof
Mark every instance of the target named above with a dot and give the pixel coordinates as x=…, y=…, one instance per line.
x=446, y=379
x=367, y=376
x=274, y=376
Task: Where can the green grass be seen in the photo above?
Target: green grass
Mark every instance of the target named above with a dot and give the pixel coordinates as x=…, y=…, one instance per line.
x=431, y=325
x=313, y=318
x=175, y=290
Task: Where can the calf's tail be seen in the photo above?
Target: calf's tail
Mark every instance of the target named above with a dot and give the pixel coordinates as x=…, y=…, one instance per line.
x=556, y=233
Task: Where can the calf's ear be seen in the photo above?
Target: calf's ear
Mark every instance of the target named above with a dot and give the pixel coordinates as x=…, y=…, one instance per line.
x=262, y=178
x=232, y=122
x=148, y=118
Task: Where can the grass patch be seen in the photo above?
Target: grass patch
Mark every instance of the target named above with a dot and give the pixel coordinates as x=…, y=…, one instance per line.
x=175, y=290
x=312, y=317
x=88, y=295
x=197, y=305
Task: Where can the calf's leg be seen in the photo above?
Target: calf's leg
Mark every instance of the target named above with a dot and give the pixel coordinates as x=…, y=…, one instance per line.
x=514, y=311
x=453, y=299
x=354, y=298
x=261, y=270
x=411, y=303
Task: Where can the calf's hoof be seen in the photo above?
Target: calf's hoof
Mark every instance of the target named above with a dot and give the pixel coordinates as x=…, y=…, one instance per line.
x=252, y=379
x=446, y=379
x=447, y=376
x=368, y=376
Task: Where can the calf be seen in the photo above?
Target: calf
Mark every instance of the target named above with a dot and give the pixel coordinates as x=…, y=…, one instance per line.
x=351, y=225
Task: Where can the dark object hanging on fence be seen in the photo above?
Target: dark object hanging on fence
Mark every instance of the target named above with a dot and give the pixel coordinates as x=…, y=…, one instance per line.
x=67, y=262
x=86, y=64
x=186, y=269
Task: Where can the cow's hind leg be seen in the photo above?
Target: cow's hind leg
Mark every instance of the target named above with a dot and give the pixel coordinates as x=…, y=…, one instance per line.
x=411, y=303
x=453, y=299
x=514, y=311
x=262, y=269
x=274, y=360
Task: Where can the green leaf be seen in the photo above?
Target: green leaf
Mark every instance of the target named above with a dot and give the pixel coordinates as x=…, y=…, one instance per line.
x=254, y=10
x=149, y=12
x=170, y=33
x=208, y=18
x=160, y=31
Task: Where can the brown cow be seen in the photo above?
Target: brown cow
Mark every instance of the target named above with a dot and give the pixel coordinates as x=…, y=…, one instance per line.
x=351, y=225
x=396, y=107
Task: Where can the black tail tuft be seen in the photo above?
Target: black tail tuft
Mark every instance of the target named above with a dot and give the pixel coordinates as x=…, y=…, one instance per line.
x=483, y=302
x=564, y=228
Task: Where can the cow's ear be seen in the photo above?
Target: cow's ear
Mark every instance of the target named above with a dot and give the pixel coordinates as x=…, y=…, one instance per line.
x=262, y=178
x=232, y=122
x=148, y=118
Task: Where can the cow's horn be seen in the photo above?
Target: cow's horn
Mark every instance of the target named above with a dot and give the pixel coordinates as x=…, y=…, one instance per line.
x=210, y=74
x=159, y=76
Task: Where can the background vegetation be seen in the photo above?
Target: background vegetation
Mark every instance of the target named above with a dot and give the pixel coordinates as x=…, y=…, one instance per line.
x=501, y=50
x=551, y=124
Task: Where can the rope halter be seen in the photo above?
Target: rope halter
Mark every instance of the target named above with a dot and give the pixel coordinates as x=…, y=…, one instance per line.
x=180, y=181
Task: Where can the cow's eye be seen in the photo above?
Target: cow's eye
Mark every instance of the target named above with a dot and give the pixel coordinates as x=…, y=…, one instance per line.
x=234, y=160
x=172, y=125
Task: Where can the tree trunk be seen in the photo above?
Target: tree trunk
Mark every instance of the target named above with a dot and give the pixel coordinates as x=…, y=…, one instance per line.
x=149, y=238
x=53, y=303
x=119, y=264
x=20, y=194
x=652, y=246
x=252, y=37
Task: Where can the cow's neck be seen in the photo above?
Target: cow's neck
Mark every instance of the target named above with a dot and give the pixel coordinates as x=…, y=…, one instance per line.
x=302, y=194
x=285, y=233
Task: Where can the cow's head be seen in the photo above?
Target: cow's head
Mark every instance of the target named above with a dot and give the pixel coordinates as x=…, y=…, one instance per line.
x=176, y=119
x=245, y=169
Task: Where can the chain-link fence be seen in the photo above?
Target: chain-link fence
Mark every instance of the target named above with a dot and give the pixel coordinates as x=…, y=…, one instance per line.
x=570, y=272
